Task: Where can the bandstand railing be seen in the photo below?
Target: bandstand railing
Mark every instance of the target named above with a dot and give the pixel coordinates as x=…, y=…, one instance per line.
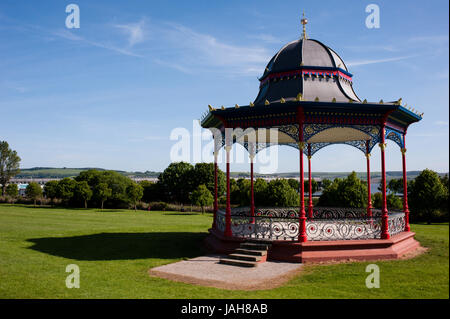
x=328, y=223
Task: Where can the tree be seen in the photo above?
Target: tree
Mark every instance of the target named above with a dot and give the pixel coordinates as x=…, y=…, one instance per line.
x=349, y=192
x=9, y=164
x=281, y=194
x=314, y=186
x=326, y=183
x=33, y=191
x=201, y=196
x=294, y=183
x=51, y=189
x=260, y=190
x=12, y=190
x=395, y=185
x=426, y=195
x=176, y=181
x=65, y=189
x=102, y=192
x=117, y=182
x=203, y=173
x=392, y=201
x=134, y=193
x=82, y=192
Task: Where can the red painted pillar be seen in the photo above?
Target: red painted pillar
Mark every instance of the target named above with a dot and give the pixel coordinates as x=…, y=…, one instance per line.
x=310, y=203
x=252, y=195
x=302, y=214
x=384, y=211
x=216, y=205
x=228, y=232
x=369, y=191
x=405, y=188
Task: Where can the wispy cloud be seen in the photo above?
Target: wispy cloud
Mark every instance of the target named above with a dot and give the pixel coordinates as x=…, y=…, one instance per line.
x=365, y=62
x=134, y=31
x=191, y=49
x=65, y=34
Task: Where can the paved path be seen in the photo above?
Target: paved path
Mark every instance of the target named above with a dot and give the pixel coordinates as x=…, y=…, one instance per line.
x=207, y=271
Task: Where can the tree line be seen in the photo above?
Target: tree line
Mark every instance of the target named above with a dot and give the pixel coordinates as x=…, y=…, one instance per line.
x=185, y=183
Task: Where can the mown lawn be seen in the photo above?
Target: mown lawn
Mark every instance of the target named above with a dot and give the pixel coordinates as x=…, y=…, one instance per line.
x=115, y=249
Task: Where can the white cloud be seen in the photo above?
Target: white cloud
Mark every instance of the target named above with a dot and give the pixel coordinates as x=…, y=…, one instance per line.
x=365, y=62
x=135, y=32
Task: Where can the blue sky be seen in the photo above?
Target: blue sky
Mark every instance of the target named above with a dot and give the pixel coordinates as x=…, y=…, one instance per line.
x=109, y=93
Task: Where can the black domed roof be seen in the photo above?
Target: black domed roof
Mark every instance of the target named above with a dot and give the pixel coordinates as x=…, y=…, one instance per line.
x=308, y=67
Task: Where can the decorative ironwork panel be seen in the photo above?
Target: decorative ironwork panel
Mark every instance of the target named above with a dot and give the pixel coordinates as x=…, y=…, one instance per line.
x=396, y=223
x=313, y=129
x=343, y=229
x=220, y=220
x=395, y=136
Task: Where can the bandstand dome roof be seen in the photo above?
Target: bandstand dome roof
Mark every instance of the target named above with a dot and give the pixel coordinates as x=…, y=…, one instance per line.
x=307, y=82
x=308, y=67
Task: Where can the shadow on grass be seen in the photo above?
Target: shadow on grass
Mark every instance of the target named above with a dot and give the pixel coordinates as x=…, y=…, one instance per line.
x=122, y=246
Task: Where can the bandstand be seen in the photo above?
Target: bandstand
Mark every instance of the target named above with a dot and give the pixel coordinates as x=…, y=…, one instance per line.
x=306, y=100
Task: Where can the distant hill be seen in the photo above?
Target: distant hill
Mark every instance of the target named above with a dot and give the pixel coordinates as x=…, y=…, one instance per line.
x=52, y=172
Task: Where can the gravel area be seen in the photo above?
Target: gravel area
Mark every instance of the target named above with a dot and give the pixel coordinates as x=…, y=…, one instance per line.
x=206, y=271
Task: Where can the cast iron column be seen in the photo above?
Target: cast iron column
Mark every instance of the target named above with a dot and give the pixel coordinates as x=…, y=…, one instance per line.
x=302, y=214
x=228, y=232
x=369, y=192
x=252, y=195
x=310, y=203
x=384, y=211
x=216, y=206
x=405, y=188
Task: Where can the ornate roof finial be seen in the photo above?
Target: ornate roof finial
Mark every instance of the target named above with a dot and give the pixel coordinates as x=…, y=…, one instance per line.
x=304, y=21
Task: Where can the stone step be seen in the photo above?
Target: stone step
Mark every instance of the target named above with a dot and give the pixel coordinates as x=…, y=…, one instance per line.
x=259, y=241
x=254, y=246
x=252, y=252
x=236, y=262
x=244, y=257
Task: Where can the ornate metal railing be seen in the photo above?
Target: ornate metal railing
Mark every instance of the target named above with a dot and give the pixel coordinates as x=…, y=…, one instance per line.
x=327, y=223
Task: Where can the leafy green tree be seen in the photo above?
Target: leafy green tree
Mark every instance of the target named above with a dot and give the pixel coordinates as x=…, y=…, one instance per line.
x=244, y=191
x=201, y=196
x=82, y=192
x=134, y=193
x=235, y=192
x=348, y=192
x=392, y=201
x=9, y=164
x=260, y=190
x=294, y=183
x=176, y=181
x=66, y=188
x=33, y=191
x=117, y=182
x=426, y=195
x=203, y=173
x=396, y=185
x=51, y=189
x=281, y=194
x=314, y=186
x=325, y=183
x=12, y=190
x=102, y=192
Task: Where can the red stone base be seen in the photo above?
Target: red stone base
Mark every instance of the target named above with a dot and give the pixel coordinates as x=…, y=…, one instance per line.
x=323, y=251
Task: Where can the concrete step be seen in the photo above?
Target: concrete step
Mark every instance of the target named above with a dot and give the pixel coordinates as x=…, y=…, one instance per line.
x=259, y=241
x=252, y=252
x=254, y=246
x=245, y=257
x=236, y=262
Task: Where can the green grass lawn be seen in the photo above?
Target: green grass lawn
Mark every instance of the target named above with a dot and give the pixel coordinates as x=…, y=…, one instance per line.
x=115, y=249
